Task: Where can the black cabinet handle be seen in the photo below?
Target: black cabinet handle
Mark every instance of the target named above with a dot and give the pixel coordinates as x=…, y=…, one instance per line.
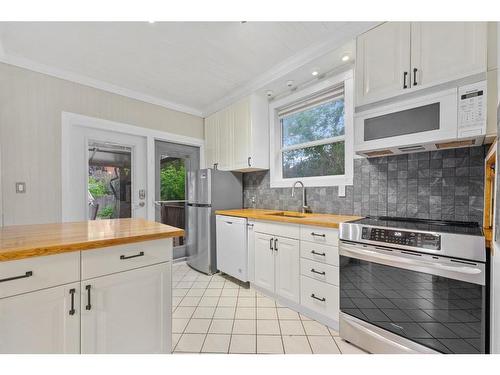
x=415, y=76
x=249, y=161
x=72, y=294
x=315, y=253
x=271, y=244
x=89, y=306
x=27, y=274
x=318, y=234
x=405, y=75
x=318, y=272
x=275, y=244
x=216, y=165
x=319, y=299
x=136, y=255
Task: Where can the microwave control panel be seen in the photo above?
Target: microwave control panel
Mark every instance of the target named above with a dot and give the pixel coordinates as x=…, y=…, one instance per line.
x=472, y=109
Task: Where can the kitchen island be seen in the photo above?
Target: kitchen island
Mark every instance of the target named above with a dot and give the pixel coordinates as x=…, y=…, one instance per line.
x=87, y=287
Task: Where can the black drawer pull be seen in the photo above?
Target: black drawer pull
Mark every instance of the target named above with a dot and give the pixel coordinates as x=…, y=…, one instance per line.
x=89, y=306
x=315, y=253
x=249, y=161
x=318, y=234
x=132, y=256
x=319, y=299
x=27, y=274
x=72, y=294
x=318, y=272
x=276, y=244
x=415, y=70
x=405, y=74
x=271, y=244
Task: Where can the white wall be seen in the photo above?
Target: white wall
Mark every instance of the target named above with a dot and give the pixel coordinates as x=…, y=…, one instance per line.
x=30, y=135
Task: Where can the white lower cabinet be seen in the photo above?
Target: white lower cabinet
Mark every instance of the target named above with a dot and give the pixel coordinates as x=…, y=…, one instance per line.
x=121, y=302
x=264, y=261
x=320, y=297
x=277, y=265
x=41, y=322
x=300, y=266
x=127, y=312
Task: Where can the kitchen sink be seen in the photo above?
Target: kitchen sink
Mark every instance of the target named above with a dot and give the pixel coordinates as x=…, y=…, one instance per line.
x=288, y=214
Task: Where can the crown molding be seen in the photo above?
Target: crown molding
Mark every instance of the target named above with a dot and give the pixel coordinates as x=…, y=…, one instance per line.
x=305, y=56
x=94, y=83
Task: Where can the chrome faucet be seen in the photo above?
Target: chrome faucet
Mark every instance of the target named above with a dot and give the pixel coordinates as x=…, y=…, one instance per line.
x=304, y=208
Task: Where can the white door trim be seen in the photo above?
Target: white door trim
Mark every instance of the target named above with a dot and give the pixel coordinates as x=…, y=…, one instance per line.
x=70, y=120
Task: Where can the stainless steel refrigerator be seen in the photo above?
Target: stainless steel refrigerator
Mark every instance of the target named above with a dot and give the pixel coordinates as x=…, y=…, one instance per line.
x=208, y=190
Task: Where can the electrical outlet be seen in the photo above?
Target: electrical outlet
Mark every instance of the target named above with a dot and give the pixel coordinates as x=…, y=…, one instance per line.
x=341, y=190
x=20, y=187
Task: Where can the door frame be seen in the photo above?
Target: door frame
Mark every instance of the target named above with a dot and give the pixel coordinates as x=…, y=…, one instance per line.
x=71, y=120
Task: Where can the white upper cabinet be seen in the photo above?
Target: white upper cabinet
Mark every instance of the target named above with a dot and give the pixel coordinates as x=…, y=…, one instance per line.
x=382, y=62
x=211, y=136
x=445, y=51
x=237, y=138
x=399, y=57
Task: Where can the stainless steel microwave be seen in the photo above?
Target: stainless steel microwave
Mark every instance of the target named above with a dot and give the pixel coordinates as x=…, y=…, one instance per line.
x=450, y=118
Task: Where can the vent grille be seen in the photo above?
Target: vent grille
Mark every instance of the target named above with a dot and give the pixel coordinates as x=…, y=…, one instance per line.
x=411, y=148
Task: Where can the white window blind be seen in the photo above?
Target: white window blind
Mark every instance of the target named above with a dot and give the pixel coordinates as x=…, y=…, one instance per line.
x=318, y=98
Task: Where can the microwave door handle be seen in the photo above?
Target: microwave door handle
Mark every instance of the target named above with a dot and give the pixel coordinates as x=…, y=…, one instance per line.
x=376, y=257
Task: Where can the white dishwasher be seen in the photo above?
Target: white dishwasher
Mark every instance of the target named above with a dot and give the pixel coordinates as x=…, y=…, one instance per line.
x=232, y=250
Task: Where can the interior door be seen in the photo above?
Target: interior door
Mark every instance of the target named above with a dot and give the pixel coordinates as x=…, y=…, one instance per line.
x=444, y=51
x=288, y=268
x=75, y=190
x=41, y=322
x=127, y=312
x=264, y=261
x=383, y=62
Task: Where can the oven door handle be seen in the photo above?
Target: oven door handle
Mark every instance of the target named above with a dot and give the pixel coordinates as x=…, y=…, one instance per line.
x=468, y=273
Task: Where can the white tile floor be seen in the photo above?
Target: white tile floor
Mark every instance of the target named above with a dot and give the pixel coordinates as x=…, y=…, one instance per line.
x=213, y=314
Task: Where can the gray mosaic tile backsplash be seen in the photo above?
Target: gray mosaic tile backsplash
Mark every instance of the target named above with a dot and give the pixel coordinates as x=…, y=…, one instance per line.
x=446, y=185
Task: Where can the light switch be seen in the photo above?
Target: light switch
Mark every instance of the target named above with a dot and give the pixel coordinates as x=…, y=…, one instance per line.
x=341, y=190
x=20, y=187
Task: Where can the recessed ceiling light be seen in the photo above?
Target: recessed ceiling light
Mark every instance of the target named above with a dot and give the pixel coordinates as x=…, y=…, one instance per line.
x=345, y=58
x=151, y=21
x=269, y=93
x=315, y=73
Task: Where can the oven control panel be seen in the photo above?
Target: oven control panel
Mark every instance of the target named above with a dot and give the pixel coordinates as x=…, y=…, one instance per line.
x=415, y=239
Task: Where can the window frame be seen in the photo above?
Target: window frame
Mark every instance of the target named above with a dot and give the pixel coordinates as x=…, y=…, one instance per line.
x=276, y=149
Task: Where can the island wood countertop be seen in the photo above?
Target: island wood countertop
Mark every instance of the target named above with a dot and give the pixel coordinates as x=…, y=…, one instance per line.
x=319, y=220
x=25, y=241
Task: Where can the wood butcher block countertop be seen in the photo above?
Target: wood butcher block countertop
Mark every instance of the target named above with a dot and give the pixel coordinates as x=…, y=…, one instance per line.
x=319, y=220
x=25, y=241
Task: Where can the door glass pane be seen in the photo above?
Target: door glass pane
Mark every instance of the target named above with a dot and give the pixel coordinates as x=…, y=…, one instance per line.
x=173, y=193
x=109, y=181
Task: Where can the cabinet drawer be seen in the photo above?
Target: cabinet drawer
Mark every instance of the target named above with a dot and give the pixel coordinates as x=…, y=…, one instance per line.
x=276, y=229
x=120, y=258
x=25, y=275
x=320, y=271
x=320, y=253
x=327, y=236
x=327, y=297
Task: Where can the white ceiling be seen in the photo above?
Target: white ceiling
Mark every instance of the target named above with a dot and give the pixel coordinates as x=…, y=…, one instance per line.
x=195, y=67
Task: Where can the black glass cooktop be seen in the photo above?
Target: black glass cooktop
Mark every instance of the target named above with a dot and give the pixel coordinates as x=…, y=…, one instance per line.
x=445, y=226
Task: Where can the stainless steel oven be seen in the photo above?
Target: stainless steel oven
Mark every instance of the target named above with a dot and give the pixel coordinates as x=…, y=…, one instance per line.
x=403, y=291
